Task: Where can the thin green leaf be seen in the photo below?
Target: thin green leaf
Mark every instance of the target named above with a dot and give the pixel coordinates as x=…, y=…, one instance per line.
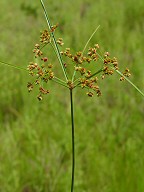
x=130, y=82
x=90, y=39
x=60, y=82
x=14, y=66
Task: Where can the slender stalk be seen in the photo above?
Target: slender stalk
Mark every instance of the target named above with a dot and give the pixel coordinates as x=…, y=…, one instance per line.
x=89, y=39
x=57, y=80
x=60, y=80
x=14, y=66
x=130, y=83
x=73, y=142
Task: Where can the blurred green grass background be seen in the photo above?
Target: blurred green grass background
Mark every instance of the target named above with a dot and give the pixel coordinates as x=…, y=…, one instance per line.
x=35, y=137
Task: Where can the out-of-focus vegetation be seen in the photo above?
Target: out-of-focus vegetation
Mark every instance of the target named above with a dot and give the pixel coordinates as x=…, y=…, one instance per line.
x=35, y=147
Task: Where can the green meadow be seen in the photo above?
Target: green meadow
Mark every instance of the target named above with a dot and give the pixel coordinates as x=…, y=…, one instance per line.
x=35, y=136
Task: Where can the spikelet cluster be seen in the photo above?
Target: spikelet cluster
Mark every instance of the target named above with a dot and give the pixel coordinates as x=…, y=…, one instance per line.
x=42, y=71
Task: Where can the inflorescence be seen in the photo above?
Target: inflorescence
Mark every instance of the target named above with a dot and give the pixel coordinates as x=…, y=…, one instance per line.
x=42, y=70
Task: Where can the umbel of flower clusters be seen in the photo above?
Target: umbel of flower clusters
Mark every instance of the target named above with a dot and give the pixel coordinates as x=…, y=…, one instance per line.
x=42, y=70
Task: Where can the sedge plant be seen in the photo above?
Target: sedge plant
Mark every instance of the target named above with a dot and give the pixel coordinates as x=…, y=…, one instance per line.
x=78, y=63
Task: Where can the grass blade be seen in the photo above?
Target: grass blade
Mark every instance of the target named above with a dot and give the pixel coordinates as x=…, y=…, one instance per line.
x=130, y=83
x=90, y=39
x=14, y=66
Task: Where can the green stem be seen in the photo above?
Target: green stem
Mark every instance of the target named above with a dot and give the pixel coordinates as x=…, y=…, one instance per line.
x=55, y=51
x=60, y=82
x=99, y=71
x=89, y=39
x=130, y=82
x=73, y=142
x=54, y=40
x=14, y=66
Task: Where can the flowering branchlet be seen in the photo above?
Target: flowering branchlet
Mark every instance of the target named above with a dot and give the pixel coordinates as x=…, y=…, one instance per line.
x=60, y=41
x=80, y=62
x=45, y=37
x=42, y=69
x=53, y=28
